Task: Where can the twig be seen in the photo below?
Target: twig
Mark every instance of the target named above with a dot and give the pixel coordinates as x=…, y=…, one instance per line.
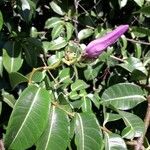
x=116, y=58
x=2, y=145
x=137, y=41
x=67, y=112
x=146, y=123
x=76, y=4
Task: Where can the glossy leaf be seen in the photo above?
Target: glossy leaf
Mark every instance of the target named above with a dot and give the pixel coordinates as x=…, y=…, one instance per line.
x=111, y=117
x=56, y=31
x=123, y=96
x=56, y=131
x=86, y=105
x=87, y=132
x=28, y=119
x=64, y=76
x=57, y=44
x=8, y=99
x=69, y=30
x=56, y=8
x=79, y=85
x=12, y=60
x=139, y=2
x=135, y=125
x=114, y=142
x=17, y=78
x=85, y=33
x=52, y=22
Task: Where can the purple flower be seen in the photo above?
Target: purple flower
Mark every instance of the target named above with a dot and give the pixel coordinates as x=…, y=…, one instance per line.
x=96, y=47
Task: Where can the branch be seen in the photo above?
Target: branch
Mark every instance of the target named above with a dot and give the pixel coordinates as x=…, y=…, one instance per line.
x=137, y=41
x=146, y=122
x=2, y=145
x=76, y=4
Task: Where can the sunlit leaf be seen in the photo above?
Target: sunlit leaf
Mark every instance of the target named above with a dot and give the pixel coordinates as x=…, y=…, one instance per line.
x=57, y=130
x=114, y=142
x=85, y=33
x=87, y=132
x=52, y=22
x=28, y=119
x=56, y=8
x=123, y=96
x=135, y=125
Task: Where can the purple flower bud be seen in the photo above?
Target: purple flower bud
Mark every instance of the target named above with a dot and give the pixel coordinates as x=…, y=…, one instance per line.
x=96, y=47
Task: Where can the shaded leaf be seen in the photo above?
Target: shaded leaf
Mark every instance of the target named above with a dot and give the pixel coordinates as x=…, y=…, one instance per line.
x=1, y=20
x=12, y=60
x=57, y=131
x=28, y=119
x=135, y=125
x=17, y=78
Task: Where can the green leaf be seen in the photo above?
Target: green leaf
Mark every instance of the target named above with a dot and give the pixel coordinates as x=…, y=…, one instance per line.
x=1, y=20
x=28, y=119
x=79, y=85
x=57, y=44
x=17, y=78
x=38, y=76
x=139, y=2
x=52, y=22
x=53, y=60
x=122, y=3
x=64, y=76
x=92, y=71
x=33, y=32
x=135, y=125
x=8, y=99
x=85, y=33
x=69, y=30
x=57, y=131
x=123, y=96
x=12, y=60
x=111, y=117
x=56, y=31
x=1, y=66
x=132, y=64
x=114, y=142
x=87, y=132
x=141, y=31
x=56, y=8
x=145, y=10
x=86, y=105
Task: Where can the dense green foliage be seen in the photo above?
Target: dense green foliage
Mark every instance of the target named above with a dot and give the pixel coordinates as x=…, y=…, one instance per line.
x=53, y=98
